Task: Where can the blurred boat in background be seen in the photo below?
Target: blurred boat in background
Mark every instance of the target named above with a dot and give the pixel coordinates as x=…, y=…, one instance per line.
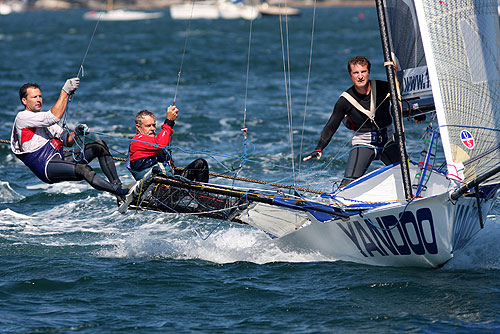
x=267, y=9
x=7, y=7
x=120, y=14
x=212, y=10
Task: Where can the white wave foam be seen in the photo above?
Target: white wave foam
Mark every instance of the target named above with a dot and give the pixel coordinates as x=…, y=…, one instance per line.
x=7, y=194
x=61, y=187
x=94, y=221
x=53, y=226
x=13, y=214
x=482, y=252
x=227, y=244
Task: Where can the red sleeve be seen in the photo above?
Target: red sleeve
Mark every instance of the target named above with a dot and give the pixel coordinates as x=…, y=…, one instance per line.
x=143, y=146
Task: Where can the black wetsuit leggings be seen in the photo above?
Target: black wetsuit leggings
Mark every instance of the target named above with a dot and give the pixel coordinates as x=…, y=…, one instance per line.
x=69, y=169
x=361, y=157
x=195, y=171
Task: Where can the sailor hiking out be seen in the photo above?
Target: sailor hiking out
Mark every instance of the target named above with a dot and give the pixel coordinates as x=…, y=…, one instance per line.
x=37, y=139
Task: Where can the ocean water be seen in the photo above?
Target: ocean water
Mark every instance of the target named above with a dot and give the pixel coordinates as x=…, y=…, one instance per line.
x=69, y=262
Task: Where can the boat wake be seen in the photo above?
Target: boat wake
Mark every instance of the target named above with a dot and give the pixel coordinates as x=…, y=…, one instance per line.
x=483, y=250
x=150, y=235
x=218, y=243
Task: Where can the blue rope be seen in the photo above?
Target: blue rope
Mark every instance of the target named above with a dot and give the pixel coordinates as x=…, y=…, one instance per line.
x=425, y=168
x=212, y=154
x=215, y=156
x=82, y=149
x=468, y=126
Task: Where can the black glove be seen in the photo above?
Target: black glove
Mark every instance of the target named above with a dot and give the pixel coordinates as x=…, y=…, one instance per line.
x=419, y=118
x=82, y=129
x=314, y=155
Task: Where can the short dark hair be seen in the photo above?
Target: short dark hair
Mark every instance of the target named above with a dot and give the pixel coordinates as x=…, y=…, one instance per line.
x=23, y=91
x=358, y=60
x=141, y=114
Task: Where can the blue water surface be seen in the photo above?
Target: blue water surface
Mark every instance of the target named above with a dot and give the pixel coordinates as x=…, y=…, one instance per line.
x=69, y=262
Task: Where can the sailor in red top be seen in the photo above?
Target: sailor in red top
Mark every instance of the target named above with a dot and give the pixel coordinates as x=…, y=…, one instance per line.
x=148, y=149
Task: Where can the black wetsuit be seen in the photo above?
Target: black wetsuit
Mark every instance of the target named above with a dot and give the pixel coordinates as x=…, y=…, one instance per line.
x=69, y=169
x=379, y=147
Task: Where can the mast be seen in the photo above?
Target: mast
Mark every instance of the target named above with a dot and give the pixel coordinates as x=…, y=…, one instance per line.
x=395, y=105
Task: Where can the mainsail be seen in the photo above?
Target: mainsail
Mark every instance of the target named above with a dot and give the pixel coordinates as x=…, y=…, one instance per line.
x=461, y=43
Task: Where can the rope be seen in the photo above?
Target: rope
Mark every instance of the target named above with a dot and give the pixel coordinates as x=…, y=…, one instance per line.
x=222, y=176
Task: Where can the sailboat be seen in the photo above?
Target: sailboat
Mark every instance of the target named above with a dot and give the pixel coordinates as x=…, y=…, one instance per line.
x=268, y=9
x=411, y=214
x=213, y=10
x=112, y=14
x=8, y=7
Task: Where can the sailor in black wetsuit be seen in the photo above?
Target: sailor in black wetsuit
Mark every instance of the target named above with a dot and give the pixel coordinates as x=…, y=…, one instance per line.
x=365, y=109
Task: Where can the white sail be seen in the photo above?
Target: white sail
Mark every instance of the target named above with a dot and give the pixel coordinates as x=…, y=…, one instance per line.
x=461, y=43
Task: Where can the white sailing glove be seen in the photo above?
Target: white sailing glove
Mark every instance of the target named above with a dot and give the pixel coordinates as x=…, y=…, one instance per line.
x=314, y=155
x=71, y=85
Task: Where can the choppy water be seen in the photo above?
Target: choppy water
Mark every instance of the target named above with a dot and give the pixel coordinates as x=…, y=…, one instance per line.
x=70, y=263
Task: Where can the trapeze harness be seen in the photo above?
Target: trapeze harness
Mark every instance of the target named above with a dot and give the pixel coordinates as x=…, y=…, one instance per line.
x=196, y=171
x=375, y=139
x=370, y=145
x=37, y=140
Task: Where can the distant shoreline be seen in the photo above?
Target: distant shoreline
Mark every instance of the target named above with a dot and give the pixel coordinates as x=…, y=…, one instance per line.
x=332, y=3
x=163, y=4
x=289, y=3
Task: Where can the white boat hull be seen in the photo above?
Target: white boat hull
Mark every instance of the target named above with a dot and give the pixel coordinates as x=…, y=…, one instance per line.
x=121, y=15
x=194, y=11
x=429, y=231
x=212, y=10
x=266, y=9
x=391, y=232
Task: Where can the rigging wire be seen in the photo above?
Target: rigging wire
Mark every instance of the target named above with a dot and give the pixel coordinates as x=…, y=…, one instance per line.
x=244, y=130
x=81, y=70
x=307, y=87
x=66, y=112
x=287, y=80
x=248, y=71
x=188, y=31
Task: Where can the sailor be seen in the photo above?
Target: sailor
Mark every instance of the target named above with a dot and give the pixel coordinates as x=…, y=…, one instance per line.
x=147, y=149
x=37, y=140
x=365, y=109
